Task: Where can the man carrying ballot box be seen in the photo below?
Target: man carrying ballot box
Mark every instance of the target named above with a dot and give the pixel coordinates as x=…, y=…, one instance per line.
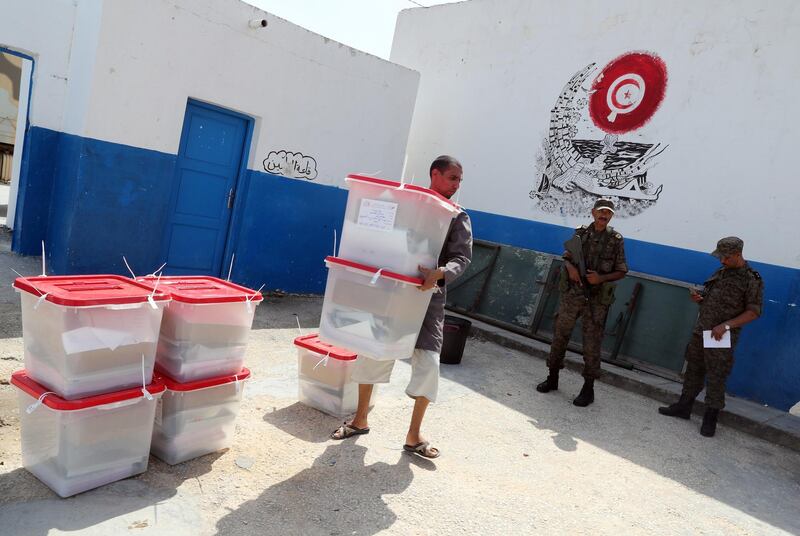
x=730, y=298
x=445, y=174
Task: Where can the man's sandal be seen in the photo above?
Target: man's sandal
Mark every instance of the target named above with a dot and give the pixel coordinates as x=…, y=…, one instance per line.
x=348, y=430
x=423, y=449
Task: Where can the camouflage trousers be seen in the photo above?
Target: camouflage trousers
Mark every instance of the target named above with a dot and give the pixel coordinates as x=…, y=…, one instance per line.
x=593, y=321
x=707, y=366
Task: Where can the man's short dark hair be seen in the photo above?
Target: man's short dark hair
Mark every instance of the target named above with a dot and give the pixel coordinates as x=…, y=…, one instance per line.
x=443, y=163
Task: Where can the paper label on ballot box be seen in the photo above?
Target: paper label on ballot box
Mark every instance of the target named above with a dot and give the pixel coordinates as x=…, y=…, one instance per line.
x=377, y=215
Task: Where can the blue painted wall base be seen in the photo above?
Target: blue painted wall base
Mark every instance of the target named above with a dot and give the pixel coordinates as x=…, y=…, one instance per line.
x=94, y=201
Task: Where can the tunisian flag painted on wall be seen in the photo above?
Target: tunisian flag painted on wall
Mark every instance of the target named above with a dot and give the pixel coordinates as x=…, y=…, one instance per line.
x=627, y=92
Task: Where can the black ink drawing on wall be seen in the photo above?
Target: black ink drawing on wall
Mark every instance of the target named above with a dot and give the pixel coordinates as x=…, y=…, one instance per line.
x=292, y=165
x=574, y=172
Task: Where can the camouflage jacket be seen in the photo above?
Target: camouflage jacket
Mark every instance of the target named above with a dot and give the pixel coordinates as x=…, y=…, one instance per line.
x=728, y=293
x=603, y=252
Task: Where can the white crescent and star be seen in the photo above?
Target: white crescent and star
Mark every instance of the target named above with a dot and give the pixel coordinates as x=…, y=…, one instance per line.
x=625, y=94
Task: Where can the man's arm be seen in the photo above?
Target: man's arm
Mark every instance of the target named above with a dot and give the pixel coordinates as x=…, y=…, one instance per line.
x=754, y=297
x=736, y=322
x=620, y=268
x=457, y=252
x=596, y=279
x=572, y=270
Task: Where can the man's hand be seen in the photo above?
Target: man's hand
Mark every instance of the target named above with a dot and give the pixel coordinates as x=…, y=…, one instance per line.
x=593, y=278
x=695, y=296
x=573, y=273
x=718, y=332
x=431, y=277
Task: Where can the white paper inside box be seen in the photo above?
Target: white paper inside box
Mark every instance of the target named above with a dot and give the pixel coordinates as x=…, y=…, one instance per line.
x=205, y=329
x=190, y=445
x=396, y=227
x=76, y=450
x=338, y=402
x=189, y=361
x=324, y=376
x=79, y=352
x=372, y=312
x=198, y=420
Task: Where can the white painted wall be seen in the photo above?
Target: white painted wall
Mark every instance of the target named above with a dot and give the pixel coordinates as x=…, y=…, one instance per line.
x=45, y=30
x=348, y=110
x=491, y=71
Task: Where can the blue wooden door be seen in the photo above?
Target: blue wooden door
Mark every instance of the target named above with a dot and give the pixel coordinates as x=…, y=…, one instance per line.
x=211, y=157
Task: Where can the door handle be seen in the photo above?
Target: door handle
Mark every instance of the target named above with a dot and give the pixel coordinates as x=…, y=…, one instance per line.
x=231, y=197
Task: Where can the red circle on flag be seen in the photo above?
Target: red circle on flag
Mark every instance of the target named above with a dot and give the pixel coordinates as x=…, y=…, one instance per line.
x=627, y=92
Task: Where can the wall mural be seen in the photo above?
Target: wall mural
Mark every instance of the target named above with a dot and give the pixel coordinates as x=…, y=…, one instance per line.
x=292, y=165
x=574, y=171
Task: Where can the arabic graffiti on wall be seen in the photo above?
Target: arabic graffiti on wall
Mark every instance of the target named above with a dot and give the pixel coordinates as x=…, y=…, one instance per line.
x=292, y=165
x=574, y=172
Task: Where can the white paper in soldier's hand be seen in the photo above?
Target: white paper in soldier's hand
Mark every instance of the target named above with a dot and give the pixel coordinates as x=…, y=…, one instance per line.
x=711, y=342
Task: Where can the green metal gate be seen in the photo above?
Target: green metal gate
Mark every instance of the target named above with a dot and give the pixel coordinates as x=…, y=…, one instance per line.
x=647, y=328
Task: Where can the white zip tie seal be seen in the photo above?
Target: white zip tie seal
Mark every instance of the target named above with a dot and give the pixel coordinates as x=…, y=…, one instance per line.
x=150, y=299
x=157, y=271
x=40, y=300
x=145, y=392
x=323, y=361
x=128, y=266
x=251, y=298
x=230, y=268
x=299, y=329
x=33, y=407
x=42, y=295
x=376, y=276
x=44, y=267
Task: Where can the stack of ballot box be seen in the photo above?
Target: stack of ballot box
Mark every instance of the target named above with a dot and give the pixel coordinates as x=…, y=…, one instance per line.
x=87, y=398
x=373, y=306
x=200, y=360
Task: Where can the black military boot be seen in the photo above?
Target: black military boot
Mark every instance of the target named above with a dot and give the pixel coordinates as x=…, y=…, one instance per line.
x=550, y=384
x=709, y=426
x=681, y=409
x=586, y=396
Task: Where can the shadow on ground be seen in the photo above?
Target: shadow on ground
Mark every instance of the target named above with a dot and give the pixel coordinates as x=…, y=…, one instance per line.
x=755, y=477
x=41, y=510
x=338, y=495
x=303, y=422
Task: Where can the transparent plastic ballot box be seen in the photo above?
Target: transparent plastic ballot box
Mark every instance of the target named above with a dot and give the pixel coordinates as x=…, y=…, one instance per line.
x=90, y=334
x=371, y=311
x=324, y=376
x=205, y=328
x=77, y=445
x=393, y=225
x=196, y=418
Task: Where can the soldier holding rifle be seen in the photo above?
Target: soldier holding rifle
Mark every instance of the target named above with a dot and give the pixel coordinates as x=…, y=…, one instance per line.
x=593, y=260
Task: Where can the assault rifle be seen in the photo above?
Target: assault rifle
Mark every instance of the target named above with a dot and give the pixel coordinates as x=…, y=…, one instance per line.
x=574, y=247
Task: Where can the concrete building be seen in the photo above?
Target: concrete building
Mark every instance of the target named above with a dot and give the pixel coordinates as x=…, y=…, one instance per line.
x=684, y=112
x=193, y=133
x=201, y=133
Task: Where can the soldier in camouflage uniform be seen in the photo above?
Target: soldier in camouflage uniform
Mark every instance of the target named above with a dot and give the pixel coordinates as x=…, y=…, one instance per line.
x=604, y=257
x=730, y=298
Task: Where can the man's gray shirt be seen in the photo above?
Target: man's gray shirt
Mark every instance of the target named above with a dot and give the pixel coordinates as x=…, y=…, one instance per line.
x=455, y=257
